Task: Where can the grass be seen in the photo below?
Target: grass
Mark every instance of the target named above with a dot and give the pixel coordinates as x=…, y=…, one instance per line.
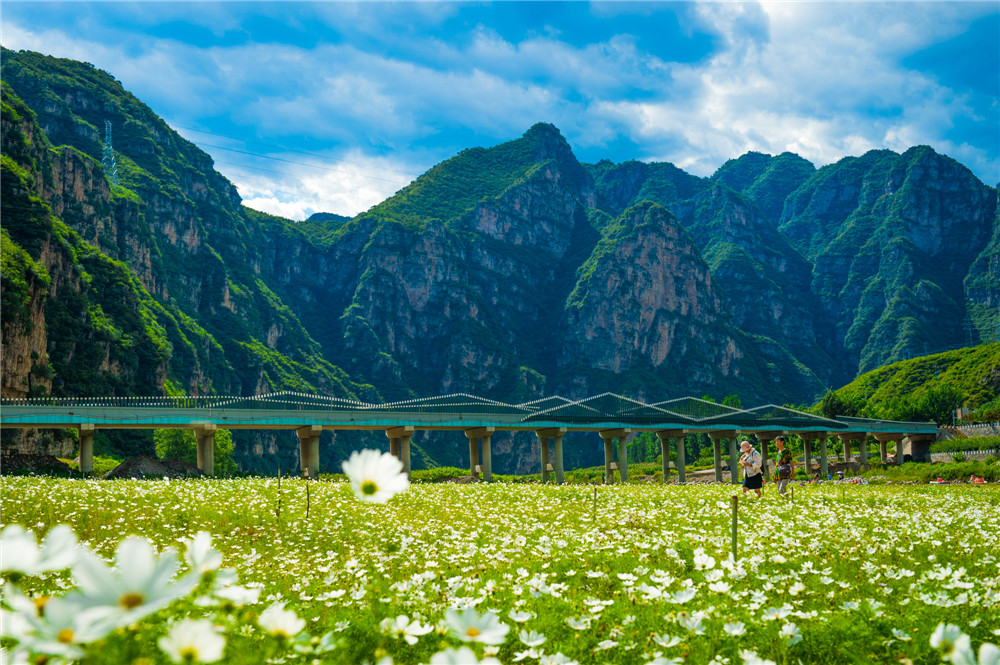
x=841, y=567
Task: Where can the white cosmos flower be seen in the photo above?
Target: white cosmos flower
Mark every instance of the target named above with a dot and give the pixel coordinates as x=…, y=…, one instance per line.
x=140, y=583
x=237, y=595
x=703, y=561
x=520, y=617
x=774, y=613
x=470, y=626
x=555, y=659
x=666, y=641
x=989, y=654
x=660, y=659
x=531, y=639
x=57, y=627
x=604, y=645
x=692, y=623
x=23, y=556
x=954, y=645
x=578, y=624
x=900, y=635
x=375, y=477
x=530, y=652
x=751, y=658
x=193, y=641
x=279, y=622
x=460, y=656
x=791, y=632
x=720, y=587
x=682, y=596
x=200, y=556
x=735, y=629
x=401, y=626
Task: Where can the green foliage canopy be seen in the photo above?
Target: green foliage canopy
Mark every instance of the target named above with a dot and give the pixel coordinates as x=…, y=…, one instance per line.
x=180, y=444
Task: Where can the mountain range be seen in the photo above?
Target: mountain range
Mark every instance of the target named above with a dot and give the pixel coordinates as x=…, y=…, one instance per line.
x=512, y=272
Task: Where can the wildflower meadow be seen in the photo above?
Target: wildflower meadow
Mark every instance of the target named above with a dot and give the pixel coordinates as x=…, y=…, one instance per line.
x=256, y=570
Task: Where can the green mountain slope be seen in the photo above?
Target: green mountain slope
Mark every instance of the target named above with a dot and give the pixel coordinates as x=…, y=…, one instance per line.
x=891, y=238
x=177, y=246
x=765, y=180
x=924, y=387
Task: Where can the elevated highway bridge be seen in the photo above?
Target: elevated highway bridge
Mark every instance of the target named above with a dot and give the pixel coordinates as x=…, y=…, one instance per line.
x=613, y=417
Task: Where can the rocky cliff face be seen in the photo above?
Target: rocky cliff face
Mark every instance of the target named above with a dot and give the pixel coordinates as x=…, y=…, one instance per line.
x=891, y=238
x=646, y=300
x=982, y=285
x=143, y=291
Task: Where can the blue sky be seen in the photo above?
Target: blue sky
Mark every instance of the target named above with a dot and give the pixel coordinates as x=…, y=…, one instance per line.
x=341, y=104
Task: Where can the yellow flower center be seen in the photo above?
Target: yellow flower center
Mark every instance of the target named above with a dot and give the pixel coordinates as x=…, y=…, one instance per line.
x=65, y=636
x=368, y=488
x=472, y=631
x=131, y=600
x=40, y=605
x=189, y=655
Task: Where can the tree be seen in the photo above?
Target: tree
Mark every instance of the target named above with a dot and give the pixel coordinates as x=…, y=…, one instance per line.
x=841, y=404
x=733, y=401
x=181, y=444
x=938, y=403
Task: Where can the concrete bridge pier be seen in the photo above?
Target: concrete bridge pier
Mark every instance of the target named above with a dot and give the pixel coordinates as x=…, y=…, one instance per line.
x=609, y=436
x=717, y=437
x=677, y=435
x=556, y=434
x=86, y=432
x=399, y=445
x=920, y=447
x=477, y=436
x=807, y=449
x=883, y=443
x=862, y=446
x=309, y=450
x=824, y=467
x=205, y=436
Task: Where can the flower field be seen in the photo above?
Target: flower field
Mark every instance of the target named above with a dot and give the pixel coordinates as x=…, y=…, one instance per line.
x=461, y=573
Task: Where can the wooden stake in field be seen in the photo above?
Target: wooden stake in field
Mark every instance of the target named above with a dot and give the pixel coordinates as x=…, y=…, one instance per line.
x=277, y=510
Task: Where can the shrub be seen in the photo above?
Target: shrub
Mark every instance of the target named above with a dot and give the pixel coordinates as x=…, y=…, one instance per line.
x=965, y=445
x=990, y=459
x=923, y=473
x=958, y=457
x=102, y=464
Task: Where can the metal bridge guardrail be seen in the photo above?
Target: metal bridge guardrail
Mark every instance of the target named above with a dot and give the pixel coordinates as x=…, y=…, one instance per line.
x=291, y=409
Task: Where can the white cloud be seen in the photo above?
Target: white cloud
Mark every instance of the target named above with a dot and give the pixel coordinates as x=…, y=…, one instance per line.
x=824, y=82
x=820, y=79
x=347, y=186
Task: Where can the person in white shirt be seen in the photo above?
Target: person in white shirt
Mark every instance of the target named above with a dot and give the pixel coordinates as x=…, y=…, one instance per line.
x=750, y=460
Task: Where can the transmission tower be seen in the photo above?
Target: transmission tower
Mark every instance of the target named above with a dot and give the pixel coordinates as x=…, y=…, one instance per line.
x=108, y=159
